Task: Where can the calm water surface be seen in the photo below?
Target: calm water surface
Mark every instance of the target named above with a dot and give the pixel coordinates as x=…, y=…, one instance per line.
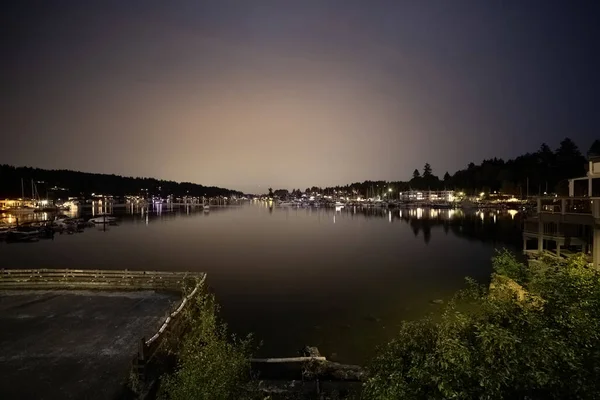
x=341, y=280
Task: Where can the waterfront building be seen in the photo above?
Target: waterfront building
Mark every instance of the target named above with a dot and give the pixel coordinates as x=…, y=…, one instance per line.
x=427, y=195
x=562, y=226
x=6, y=204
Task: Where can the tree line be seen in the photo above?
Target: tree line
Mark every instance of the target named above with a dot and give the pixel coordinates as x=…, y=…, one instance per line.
x=544, y=170
x=55, y=184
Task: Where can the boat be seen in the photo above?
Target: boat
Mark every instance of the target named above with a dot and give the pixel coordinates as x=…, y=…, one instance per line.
x=205, y=204
x=103, y=219
x=23, y=234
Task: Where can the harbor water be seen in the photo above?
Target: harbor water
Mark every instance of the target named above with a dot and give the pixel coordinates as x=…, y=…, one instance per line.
x=339, y=279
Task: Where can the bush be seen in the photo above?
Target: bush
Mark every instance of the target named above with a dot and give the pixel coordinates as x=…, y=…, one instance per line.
x=211, y=364
x=533, y=333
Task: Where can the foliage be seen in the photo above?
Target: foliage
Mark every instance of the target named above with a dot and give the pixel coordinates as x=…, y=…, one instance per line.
x=594, y=149
x=64, y=183
x=281, y=193
x=211, y=364
x=533, y=333
x=534, y=173
x=427, y=171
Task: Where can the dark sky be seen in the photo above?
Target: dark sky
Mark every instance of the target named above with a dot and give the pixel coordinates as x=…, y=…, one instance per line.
x=288, y=93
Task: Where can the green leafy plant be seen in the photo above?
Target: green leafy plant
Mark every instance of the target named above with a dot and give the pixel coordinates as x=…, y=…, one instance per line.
x=211, y=363
x=534, y=333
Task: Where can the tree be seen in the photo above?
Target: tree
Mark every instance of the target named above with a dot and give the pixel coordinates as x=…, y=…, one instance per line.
x=447, y=177
x=270, y=192
x=281, y=193
x=416, y=174
x=427, y=172
x=533, y=333
x=594, y=149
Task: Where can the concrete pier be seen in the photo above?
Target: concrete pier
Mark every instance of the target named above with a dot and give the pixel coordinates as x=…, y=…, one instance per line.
x=73, y=344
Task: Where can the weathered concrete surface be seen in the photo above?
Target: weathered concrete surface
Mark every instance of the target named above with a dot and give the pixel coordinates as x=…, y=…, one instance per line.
x=73, y=344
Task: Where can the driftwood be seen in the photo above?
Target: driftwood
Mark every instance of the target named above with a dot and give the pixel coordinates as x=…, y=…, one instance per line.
x=309, y=365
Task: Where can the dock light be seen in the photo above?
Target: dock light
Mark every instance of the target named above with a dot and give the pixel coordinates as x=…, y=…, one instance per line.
x=481, y=194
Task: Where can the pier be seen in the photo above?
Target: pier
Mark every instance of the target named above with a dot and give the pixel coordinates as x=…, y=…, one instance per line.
x=85, y=333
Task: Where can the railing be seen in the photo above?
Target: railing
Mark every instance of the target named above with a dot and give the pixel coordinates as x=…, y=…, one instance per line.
x=172, y=325
x=28, y=279
x=568, y=205
x=93, y=279
x=553, y=229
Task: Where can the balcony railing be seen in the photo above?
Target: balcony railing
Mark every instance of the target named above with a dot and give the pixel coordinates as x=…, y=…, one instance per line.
x=554, y=229
x=569, y=205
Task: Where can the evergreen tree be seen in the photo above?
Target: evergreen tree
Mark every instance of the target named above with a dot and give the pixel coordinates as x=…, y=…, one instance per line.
x=427, y=172
x=594, y=148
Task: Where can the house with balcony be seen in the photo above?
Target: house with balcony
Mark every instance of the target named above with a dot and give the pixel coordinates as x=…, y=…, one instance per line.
x=566, y=225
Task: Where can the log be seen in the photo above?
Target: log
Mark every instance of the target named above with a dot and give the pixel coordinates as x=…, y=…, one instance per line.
x=287, y=359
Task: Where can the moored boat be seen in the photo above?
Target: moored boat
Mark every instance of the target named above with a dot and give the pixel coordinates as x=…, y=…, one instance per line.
x=103, y=219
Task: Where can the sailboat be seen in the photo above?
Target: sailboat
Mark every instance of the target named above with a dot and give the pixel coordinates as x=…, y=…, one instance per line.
x=40, y=205
x=21, y=208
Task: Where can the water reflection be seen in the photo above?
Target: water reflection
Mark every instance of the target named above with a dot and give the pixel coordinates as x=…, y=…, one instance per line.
x=281, y=272
x=493, y=226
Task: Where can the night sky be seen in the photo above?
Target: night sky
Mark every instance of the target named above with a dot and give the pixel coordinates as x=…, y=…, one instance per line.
x=250, y=94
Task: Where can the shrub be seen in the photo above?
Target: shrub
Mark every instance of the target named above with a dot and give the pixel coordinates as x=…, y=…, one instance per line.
x=211, y=364
x=534, y=333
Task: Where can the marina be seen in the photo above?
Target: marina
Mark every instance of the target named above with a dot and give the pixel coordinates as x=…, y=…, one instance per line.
x=340, y=279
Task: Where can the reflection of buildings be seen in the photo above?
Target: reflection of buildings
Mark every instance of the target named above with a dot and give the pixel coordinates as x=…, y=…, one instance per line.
x=490, y=226
x=563, y=225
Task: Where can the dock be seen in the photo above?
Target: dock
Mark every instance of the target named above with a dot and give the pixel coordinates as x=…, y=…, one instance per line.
x=84, y=333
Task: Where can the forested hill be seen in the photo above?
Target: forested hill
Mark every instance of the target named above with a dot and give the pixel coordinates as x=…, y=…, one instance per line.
x=545, y=170
x=63, y=183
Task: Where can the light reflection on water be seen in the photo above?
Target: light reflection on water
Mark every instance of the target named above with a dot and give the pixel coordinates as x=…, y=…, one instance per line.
x=340, y=279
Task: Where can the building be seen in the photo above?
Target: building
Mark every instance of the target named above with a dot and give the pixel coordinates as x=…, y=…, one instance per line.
x=427, y=195
x=565, y=225
x=6, y=204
